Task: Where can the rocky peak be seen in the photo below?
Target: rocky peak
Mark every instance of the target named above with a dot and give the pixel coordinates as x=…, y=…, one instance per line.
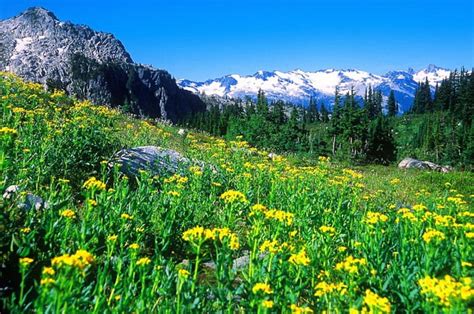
x=37, y=14
x=93, y=65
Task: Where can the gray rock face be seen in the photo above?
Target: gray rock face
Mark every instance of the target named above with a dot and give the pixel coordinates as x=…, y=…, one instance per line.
x=419, y=164
x=155, y=160
x=89, y=65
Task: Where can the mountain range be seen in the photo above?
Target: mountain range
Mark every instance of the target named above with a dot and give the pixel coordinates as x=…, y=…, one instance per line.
x=92, y=65
x=299, y=86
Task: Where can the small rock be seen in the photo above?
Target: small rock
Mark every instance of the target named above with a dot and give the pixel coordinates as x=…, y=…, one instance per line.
x=33, y=202
x=10, y=191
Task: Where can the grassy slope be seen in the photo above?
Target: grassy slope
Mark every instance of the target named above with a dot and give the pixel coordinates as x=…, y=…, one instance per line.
x=330, y=216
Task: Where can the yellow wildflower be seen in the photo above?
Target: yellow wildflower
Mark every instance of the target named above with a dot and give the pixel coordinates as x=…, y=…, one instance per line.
x=126, y=216
x=432, y=234
x=300, y=258
x=233, y=196
x=25, y=261
x=48, y=271
x=94, y=184
x=134, y=246
x=68, y=213
x=267, y=304
x=376, y=303
x=47, y=281
x=143, y=261
x=183, y=273
x=300, y=309
x=264, y=287
x=447, y=290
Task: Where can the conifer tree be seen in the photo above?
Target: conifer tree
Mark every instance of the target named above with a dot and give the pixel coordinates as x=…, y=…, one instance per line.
x=392, y=104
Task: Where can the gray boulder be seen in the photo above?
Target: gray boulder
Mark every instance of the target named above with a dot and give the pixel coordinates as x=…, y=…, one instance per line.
x=28, y=202
x=154, y=160
x=420, y=164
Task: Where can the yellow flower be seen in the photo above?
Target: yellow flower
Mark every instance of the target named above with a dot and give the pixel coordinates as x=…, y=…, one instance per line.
x=373, y=218
x=342, y=249
x=183, y=273
x=300, y=309
x=68, y=213
x=327, y=229
x=270, y=246
x=112, y=237
x=233, y=196
x=94, y=184
x=25, y=261
x=193, y=234
x=92, y=202
x=267, y=304
x=351, y=264
x=433, y=235
x=234, y=242
x=126, y=216
x=134, y=246
x=300, y=258
x=47, y=281
x=446, y=291
x=280, y=215
x=323, y=288
x=419, y=207
x=173, y=193
x=8, y=131
x=25, y=230
x=376, y=303
x=143, y=261
x=48, y=271
x=395, y=181
x=264, y=287
x=80, y=259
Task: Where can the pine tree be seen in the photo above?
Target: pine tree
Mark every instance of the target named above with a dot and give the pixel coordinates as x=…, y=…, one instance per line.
x=381, y=145
x=313, y=114
x=392, y=105
x=324, y=113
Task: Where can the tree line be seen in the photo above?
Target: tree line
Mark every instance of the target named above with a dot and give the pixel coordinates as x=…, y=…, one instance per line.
x=358, y=129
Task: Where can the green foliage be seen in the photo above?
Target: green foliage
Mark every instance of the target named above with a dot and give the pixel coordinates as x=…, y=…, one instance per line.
x=314, y=235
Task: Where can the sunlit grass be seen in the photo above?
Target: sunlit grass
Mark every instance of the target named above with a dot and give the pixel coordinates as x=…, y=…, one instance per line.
x=317, y=237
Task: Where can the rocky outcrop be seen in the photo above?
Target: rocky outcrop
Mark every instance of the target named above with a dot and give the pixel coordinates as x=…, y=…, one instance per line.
x=419, y=164
x=89, y=65
x=154, y=160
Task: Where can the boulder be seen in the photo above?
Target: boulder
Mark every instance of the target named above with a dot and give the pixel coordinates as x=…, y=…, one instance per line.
x=420, y=164
x=155, y=160
x=28, y=202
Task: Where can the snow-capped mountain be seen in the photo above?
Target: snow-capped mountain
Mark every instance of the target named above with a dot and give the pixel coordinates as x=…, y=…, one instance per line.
x=298, y=86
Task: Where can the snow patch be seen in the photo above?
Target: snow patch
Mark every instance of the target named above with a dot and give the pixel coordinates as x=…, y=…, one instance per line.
x=22, y=43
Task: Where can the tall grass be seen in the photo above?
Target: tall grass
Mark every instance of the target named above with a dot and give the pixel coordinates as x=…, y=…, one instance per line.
x=316, y=237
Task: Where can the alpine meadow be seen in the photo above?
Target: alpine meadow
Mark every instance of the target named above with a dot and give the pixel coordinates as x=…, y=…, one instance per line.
x=337, y=190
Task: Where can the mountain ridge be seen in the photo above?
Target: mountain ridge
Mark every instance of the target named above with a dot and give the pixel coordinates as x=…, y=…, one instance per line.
x=298, y=86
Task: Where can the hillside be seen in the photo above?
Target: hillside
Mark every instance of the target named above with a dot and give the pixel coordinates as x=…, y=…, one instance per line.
x=237, y=230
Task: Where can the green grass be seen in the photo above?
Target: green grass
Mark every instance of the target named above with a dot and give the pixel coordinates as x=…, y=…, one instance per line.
x=320, y=237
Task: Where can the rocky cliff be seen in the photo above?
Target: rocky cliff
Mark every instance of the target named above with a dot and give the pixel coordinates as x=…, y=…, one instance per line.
x=88, y=64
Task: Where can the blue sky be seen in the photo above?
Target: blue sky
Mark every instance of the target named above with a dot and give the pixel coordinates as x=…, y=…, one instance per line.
x=201, y=39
